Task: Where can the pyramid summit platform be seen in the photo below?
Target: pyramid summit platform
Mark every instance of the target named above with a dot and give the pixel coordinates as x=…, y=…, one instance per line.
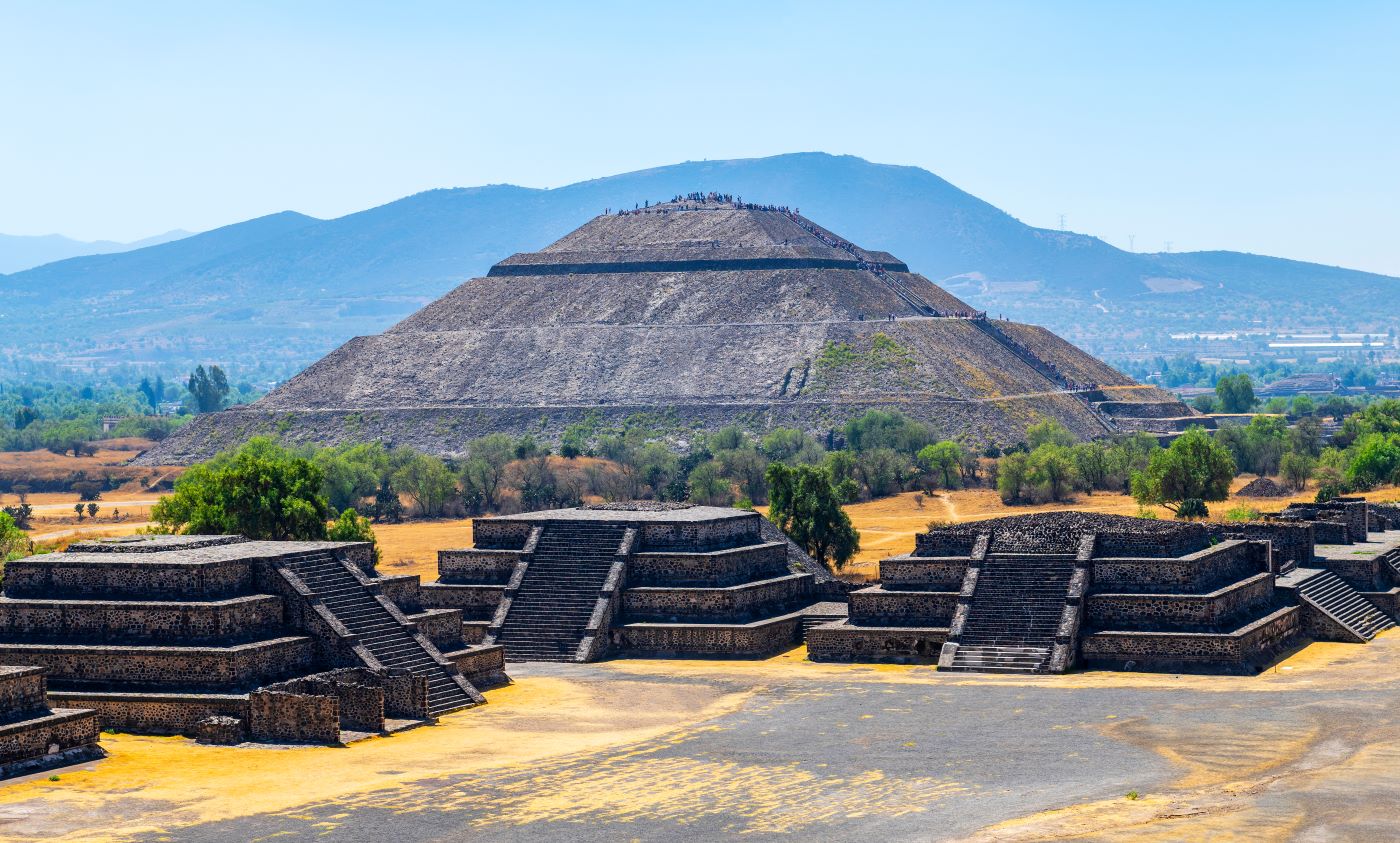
x=692, y=314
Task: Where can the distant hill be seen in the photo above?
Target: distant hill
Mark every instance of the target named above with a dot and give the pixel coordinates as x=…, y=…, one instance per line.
x=20, y=252
x=277, y=292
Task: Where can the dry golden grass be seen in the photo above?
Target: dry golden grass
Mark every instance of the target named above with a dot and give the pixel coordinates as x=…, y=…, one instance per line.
x=411, y=547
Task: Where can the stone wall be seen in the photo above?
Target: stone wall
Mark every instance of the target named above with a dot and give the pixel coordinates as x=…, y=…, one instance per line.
x=282, y=717
x=54, y=734
x=839, y=642
x=402, y=591
x=1184, y=612
x=476, y=565
x=694, y=536
x=240, y=666
x=877, y=606
x=500, y=533
x=153, y=713
x=913, y=572
x=1292, y=542
x=760, y=638
x=443, y=627
x=360, y=699
x=22, y=692
x=234, y=619
x=484, y=666
x=717, y=568
x=1243, y=651
x=477, y=602
x=1198, y=572
x=112, y=576
x=730, y=603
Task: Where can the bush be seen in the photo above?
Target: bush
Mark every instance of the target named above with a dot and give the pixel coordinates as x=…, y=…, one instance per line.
x=350, y=527
x=1192, y=508
x=261, y=491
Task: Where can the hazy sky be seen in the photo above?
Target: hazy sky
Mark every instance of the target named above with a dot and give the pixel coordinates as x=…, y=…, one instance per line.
x=1270, y=127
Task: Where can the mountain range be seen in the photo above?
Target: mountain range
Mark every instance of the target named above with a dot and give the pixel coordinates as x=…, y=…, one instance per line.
x=20, y=252
x=272, y=294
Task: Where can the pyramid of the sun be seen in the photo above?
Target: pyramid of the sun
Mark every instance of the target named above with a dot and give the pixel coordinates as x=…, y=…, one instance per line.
x=689, y=314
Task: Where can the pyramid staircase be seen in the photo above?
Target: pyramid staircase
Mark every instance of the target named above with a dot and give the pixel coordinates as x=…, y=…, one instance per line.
x=550, y=611
x=389, y=637
x=1015, y=613
x=1331, y=595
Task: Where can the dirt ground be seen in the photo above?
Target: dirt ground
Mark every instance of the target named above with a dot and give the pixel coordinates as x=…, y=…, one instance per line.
x=764, y=749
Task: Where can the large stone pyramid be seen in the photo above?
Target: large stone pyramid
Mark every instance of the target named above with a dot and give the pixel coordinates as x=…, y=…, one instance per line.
x=691, y=314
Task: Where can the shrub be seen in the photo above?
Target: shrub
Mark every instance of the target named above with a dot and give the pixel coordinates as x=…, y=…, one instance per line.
x=350, y=527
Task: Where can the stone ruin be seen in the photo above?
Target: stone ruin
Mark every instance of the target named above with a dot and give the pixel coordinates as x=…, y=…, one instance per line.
x=1042, y=593
x=695, y=314
x=626, y=579
x=34, y=736
x=228, y=639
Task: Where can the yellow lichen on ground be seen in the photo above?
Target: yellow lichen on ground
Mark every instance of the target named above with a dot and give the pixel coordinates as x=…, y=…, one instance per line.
x=181, y=782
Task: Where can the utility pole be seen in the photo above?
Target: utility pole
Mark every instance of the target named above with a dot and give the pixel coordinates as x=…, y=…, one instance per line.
x=1062, y=222
x=1169, y=247
x=1131, y=239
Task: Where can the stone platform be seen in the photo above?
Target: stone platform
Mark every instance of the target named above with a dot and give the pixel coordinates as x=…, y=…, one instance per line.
x=228, y=639
x=1042, y=593
x=639, y=578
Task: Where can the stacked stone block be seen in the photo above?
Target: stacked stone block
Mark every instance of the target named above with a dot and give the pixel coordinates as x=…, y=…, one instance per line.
x=692, y=580
x=180, y=634
x=32, y=735
x=1144, y=595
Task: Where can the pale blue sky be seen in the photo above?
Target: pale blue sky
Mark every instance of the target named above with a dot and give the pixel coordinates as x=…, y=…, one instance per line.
x=1268, y=127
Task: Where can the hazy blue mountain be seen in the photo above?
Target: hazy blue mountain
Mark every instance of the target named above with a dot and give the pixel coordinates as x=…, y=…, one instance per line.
x=276, y=292
x=19, y=252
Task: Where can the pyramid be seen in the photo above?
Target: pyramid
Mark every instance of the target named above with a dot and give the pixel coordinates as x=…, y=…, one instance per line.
x=688, y=315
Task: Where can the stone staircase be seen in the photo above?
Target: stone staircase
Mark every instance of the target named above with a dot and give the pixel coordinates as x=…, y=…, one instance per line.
x=387, y=638
x=550, y=611
x=1330, y=593
x=1014, y=614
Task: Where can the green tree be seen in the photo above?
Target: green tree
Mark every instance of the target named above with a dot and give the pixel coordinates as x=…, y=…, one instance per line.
x=209, y=388
x=880, y=469
x=1236, y=393
x=261, y=491
x=840, y=466
x=1052, y=472
x=72, y=435
x=352, y=473
x=792, y=446
x=1267, y=439
x=1194, y=467
x=944, y=461
x=1205, y=403
x=14, y=543
x=1049, y=432
x=485, y=467
x=885, y=429
x=387, y=506
x=706, y=485
x=351, y=527
x=805, y=505
x=746, y=467
x=1303, y=406
x=1376, y=460
x=1296, y=469
x=1013, y=472
x=427, y=482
